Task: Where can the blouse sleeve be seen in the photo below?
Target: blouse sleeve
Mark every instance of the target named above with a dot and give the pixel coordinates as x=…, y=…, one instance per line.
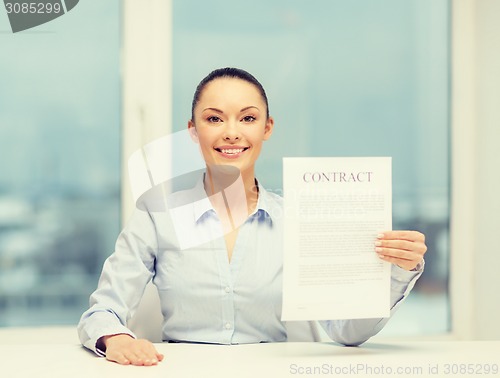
x=354, y=332
x=122, y=283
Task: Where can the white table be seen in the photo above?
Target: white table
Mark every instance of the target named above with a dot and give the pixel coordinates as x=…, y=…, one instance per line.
x=55, y=352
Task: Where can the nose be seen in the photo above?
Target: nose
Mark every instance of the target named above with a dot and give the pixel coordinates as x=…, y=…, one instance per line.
x=231, y=132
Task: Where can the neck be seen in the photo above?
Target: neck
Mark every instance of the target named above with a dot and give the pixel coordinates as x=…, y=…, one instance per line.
x=239, y=191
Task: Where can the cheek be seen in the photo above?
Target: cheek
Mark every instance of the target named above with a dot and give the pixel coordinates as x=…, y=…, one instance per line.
x=205, y=138
x=258, y=138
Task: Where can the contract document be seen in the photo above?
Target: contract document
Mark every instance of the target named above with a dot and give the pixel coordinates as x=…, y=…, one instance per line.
x=334, y=210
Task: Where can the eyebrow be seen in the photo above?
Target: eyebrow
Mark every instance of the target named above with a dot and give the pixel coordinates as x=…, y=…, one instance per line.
x=249, y=107
x=213, y=109
x=221, y=112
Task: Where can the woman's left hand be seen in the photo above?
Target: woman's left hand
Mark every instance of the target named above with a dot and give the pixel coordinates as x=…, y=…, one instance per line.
x=406, y=249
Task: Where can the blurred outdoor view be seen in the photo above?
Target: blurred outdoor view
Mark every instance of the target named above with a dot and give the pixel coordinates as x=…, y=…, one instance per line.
x=60, y=162
x=344, y=78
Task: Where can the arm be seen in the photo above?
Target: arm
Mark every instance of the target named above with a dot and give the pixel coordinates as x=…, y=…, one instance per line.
x=405, y=250
x=121, y=285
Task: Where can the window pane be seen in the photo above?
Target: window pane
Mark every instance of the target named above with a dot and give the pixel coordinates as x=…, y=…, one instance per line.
x=344, y=78
x=59, y=171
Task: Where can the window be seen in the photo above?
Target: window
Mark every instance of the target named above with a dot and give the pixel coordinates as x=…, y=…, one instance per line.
x=60, y=165
x=344, y=78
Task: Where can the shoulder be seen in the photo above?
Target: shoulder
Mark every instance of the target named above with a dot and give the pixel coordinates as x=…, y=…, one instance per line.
x=270, y=200
x=275, y=198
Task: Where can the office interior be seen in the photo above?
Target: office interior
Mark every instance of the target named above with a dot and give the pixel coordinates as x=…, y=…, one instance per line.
x=415, y=80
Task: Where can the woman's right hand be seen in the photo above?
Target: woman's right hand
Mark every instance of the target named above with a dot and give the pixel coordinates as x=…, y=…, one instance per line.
x=126, y=350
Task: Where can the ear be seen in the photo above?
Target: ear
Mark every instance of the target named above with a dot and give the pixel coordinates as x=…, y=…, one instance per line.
x=268, y=130
x=193, y=133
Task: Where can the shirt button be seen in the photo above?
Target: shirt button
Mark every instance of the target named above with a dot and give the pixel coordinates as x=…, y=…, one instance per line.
x=227, y=289
x=228, y=325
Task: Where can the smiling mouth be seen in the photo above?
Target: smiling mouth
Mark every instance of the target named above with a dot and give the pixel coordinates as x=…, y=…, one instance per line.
x=231, y=151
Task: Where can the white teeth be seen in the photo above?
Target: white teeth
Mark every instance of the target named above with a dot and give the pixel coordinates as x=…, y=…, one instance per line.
x=232, y=151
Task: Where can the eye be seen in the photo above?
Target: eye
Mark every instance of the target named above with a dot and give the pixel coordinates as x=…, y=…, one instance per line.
x=213, y=119
x=248, y=119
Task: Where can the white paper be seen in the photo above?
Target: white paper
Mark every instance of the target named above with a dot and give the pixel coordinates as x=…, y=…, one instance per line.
x=334, y=210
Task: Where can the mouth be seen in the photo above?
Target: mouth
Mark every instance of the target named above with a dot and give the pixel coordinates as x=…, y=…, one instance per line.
x=231, y=152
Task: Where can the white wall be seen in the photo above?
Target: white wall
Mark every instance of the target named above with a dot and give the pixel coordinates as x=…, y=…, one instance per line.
x=475, y=278
x=487, y=281
x=146, y=77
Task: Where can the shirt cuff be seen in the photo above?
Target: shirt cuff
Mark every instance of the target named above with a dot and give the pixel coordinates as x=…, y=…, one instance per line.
x=99, y=349
x=403, y=275
x=402, y=281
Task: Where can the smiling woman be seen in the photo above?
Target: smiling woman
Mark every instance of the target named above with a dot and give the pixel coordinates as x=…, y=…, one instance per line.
x=226, y=289
x=230, y=121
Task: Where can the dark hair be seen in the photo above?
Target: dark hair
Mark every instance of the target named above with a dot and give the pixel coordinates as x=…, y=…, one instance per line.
x=228, y=72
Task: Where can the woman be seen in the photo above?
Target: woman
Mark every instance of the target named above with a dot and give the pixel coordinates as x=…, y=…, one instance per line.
x=225, y=287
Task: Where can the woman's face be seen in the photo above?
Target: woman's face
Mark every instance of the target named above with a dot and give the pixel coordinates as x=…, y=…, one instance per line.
x=230, y=124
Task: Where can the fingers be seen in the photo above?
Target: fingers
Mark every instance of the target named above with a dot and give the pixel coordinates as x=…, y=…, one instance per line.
x=403, y=248
x=412, y=236
x=133, y=352
x=118, y=358
x=400, y=248
x=134, y=358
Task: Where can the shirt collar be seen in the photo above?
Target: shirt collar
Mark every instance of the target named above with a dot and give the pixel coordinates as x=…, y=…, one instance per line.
x=264, y=203
x=203, y=207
